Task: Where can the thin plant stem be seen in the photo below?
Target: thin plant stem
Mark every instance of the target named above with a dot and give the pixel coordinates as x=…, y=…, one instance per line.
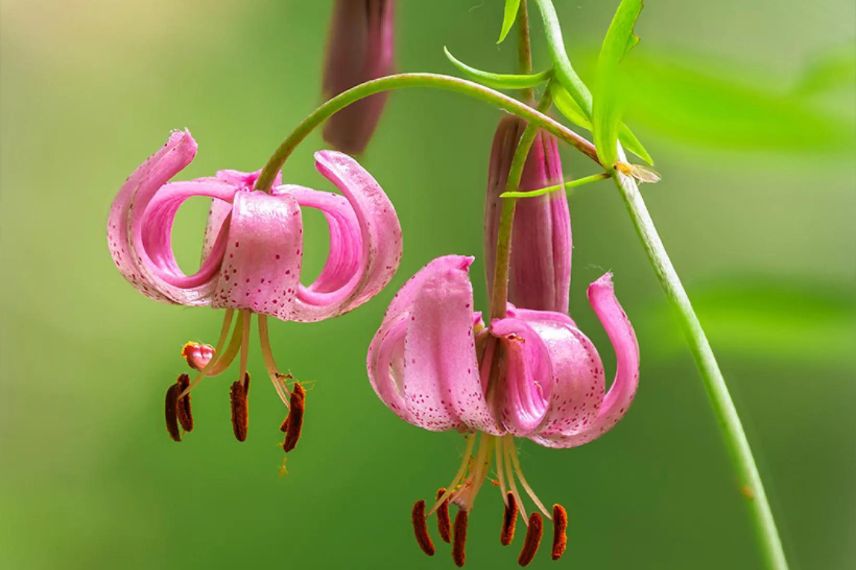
x=499, y=293
x=408, y=80
x=749, y=481
x=524, y=49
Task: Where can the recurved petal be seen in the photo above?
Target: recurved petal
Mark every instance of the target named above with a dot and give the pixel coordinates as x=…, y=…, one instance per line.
x=440, y=352
x=344, y=285
x=172, y=157
x=422, y=362
x=528, y=376
x=262, y=257
x=151, y=231
x=616, y=402
x=577, y=385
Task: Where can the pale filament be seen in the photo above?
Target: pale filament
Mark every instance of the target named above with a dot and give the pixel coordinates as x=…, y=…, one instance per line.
x=245, y=342
x=518, y=472
x=468, y=452
x=270, y=364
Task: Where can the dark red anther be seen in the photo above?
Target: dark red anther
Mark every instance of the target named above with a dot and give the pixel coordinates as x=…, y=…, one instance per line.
x=444, y=523
x=509, y=520
x=560, y=531
x=185, y=417
x=293, y=424
x=533, y=539
x=171, y=412
x=420, y=529
x=459, y=539
x=240, y=407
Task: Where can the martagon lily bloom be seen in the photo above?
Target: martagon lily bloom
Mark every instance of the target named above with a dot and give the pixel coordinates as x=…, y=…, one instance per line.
x=539, y=275
x=360, y=48
x=251, y=261
x=532, y=374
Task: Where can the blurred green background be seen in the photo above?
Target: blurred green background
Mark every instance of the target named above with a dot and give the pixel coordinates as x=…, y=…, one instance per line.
x=748, y=108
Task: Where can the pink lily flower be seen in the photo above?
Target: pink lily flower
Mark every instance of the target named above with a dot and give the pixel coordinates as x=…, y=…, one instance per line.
x=533, y=374
x=360, y=48
x=251, y=259
x=540, y=268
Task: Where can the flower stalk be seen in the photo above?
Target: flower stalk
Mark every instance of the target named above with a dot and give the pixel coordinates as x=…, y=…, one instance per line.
x=749, y=481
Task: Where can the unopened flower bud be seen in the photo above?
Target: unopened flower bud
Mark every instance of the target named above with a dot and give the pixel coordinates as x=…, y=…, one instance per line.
x=540, y=265
x=360, y=48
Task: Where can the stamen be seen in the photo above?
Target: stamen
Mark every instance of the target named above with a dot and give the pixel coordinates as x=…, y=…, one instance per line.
x=509, y=520
x=420, y=529
x=171, y=412
x=294, y=422
x=240, y=404
x=500, y=470
x=510, y=469
x=471, y=441
x=276, y=378
x=560, y=528
x=467, y=496
x=459, y=554
x=444, y=524
x=245, y=340
x=519, y=472
x=533, y=539
x=185, y=417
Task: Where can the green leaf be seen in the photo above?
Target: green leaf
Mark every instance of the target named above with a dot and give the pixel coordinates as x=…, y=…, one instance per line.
x=572, y=97
x=508, y=18
x=608, y=101
x=572, y=112
x=498, y=80
x=688, y=102
x=563, y=70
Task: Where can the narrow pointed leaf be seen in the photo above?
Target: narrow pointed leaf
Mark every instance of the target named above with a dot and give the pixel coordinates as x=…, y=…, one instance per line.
x=498, y=80
x=572, y=112
x=564, y=71
x=508, y=17
x=608, y=102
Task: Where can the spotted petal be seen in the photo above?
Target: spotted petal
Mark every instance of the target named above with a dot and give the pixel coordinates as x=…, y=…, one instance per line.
x=583, y=413
x=422, y=362
x=365, y=244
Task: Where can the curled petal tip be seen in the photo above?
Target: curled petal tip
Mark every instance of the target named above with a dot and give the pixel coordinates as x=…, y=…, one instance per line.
x=602, y=282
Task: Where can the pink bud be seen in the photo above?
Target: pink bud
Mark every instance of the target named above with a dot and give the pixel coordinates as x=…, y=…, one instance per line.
x=360, y=48
x=540, y=269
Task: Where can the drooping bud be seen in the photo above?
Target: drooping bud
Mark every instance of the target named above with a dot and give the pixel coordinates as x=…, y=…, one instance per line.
x=540, y=268
x=360, y=48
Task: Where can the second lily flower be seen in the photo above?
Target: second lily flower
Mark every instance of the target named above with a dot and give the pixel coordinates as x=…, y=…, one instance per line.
x=533, y=374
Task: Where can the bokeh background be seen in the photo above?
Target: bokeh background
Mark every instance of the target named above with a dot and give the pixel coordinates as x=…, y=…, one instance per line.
x=748, y=108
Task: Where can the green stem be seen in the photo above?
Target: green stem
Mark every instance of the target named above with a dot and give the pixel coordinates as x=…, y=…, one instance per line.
x=407, y=80
x=563, y=186
x=499, y=296
x=524, y=49
x=749, y=480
